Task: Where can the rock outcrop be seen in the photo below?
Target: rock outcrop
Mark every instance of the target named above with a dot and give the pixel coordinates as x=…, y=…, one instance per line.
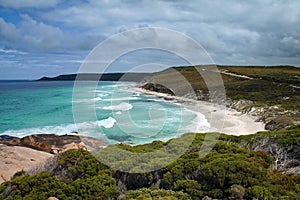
x=50, y=143
x=54, y=144
x=35, y=152
x=274, y=117
x=156, y=87
x=284, y=149
x=16, y=158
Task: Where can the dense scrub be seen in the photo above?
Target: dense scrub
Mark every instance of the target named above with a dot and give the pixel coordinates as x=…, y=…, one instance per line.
x=270, y=85
x=229, y=171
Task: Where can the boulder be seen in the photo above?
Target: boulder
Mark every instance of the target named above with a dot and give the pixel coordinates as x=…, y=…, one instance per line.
x=52, y=198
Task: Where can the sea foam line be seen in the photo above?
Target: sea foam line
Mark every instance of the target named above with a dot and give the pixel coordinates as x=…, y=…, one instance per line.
x=62, y=129
x=120, y=107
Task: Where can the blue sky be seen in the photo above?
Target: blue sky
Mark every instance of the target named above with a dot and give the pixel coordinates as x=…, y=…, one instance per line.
x=53, y=37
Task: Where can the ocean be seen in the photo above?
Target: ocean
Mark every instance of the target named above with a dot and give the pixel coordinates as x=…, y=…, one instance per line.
x=121, y=113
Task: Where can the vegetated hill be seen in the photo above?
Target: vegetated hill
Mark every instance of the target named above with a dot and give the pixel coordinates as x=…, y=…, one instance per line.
x=236, y=168
x=134, y=77
x=270, y=92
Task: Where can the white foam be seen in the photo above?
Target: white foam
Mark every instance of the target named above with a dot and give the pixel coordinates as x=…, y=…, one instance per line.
x=97, y=99
x=98, y=91
x=159, y=100
x=122, y=99
x=62, y=129
x=81, y=101
x=59, y=130
x=107, y=123
x=102, y=95
x=120, y=107
x=136, y=94
x=198, y=124
x=87, y=100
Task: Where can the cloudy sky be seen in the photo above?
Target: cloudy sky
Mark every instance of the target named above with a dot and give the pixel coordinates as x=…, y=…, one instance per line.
x=52, y=37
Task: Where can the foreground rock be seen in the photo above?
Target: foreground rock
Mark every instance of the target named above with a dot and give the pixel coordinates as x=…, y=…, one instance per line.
x=54, y=144
x=32, y=152
x=16, y=158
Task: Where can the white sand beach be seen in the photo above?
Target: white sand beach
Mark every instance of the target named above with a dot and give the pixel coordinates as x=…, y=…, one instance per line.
x=223, y=120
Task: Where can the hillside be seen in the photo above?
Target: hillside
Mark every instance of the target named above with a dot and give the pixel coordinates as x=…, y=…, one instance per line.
x=270, y=93
x=236, y=168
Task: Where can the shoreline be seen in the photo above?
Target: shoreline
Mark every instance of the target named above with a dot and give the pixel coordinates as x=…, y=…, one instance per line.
x=228, y=120
x=17, y=157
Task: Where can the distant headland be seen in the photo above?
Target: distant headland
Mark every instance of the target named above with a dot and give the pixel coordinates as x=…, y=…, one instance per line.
x=130, y=77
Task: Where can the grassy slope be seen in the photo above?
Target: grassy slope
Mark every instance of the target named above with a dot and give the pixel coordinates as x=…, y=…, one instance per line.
x=269, y=84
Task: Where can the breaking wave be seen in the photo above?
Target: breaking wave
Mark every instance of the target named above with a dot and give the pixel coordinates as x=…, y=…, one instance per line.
x=120, y=107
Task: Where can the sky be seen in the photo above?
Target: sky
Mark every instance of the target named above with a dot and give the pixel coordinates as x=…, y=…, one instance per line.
x=48, y=38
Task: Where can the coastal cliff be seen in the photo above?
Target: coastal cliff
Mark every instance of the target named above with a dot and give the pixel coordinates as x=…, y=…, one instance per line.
x=283, y=146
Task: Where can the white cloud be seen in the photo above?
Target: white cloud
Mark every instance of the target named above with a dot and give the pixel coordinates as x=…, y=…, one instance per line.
x=8, y=51
x=220, y=26
x=28, y=3
x=37, y=35
x=19, y=65
x=32, y=35
x=232, y=31
x=9, y=34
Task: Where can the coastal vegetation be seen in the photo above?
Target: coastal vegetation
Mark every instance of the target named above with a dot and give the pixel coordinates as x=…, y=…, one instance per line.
x=261, y=84
x=238, y=167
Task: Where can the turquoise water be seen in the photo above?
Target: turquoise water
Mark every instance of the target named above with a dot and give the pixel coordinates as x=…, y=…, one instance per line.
x=121, y=114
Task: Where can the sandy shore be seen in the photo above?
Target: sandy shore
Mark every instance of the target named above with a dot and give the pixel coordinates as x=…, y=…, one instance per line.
x=222, y=119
